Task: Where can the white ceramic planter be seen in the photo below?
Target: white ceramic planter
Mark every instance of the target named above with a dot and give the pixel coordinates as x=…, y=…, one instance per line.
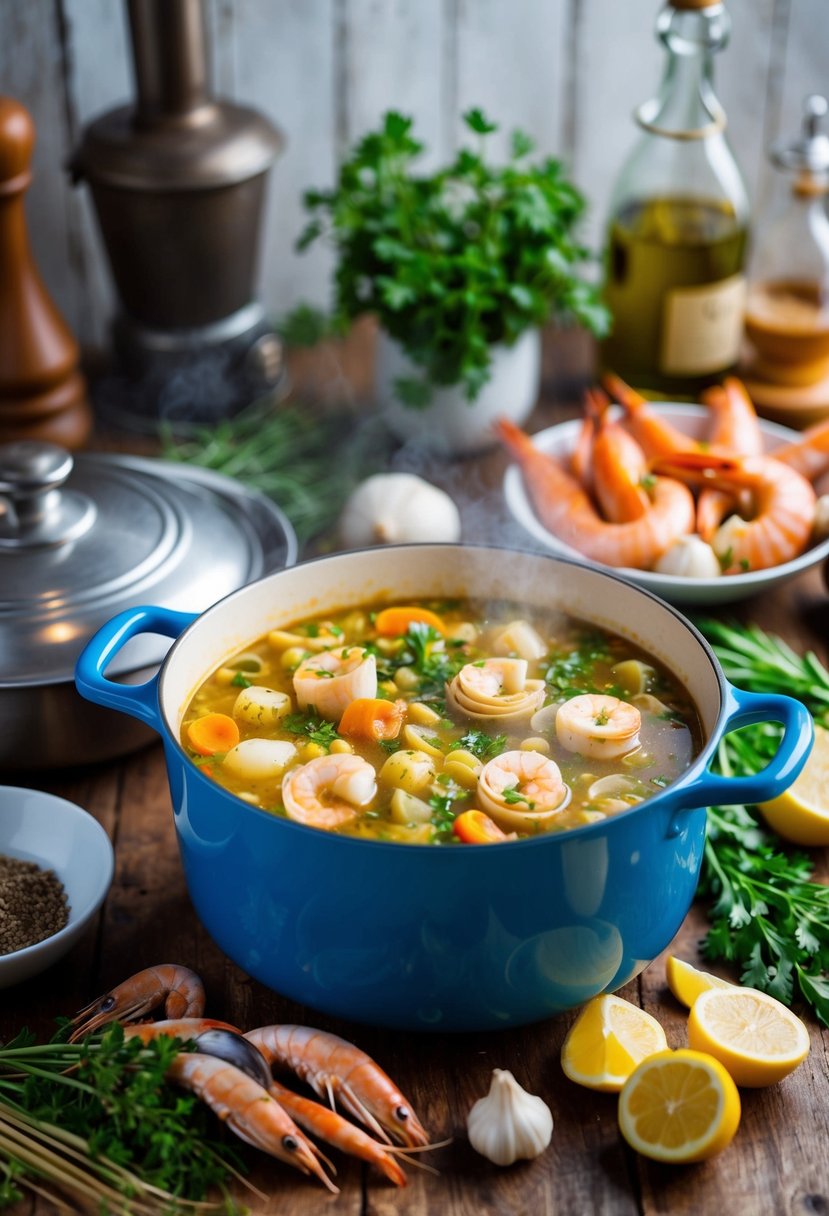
x=451, y=424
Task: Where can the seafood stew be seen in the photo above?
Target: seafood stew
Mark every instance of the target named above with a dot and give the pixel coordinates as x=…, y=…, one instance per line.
x=442, y=723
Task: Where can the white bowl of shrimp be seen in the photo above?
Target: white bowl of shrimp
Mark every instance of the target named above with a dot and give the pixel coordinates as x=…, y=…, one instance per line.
x=619, y=546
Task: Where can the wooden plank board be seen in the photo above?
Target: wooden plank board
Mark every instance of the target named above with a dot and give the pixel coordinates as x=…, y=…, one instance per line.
x=284, y=56
x=31, y=71
x=99, y=78
x=511, y=62
x=392, y=58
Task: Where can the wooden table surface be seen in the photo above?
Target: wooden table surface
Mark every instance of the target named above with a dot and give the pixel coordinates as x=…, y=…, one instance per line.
x=778, y=1164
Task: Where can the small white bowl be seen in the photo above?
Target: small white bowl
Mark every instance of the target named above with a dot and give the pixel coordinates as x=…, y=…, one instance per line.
x=690, y=419
x=57, y=835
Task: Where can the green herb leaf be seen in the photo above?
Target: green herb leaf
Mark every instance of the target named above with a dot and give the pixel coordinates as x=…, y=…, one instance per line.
x=766, y=913
x=454, y=261
x=317, y=730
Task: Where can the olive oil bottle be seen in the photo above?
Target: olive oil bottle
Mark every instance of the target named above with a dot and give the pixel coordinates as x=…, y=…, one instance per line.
x=678, y=226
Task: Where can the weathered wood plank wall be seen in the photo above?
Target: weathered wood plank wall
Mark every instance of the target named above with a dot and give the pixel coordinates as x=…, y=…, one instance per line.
x=569, y=72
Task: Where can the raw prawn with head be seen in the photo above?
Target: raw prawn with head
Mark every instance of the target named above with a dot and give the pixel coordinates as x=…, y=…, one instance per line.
x=566, y=510
x=249, y=1110
x=336, y=1069
x=178, y=989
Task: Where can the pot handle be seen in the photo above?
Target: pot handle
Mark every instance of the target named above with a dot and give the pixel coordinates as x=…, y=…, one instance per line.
x=139, y=700
x=743, y=708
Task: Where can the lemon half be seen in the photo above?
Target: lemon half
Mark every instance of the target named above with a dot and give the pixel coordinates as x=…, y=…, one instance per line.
x=756, y=1038
x=801, y=813
x=679, y=1107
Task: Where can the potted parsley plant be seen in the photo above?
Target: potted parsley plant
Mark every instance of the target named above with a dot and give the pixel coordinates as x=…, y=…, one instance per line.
x=461, y=268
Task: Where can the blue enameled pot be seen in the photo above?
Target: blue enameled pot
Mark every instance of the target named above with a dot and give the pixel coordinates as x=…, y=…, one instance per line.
x=458, y=938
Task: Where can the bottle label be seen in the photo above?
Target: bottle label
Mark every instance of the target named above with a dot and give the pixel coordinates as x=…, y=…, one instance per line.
x=702, y=327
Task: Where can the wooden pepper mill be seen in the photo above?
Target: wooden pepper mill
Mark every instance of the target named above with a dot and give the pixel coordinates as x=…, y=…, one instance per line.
x=42, y=394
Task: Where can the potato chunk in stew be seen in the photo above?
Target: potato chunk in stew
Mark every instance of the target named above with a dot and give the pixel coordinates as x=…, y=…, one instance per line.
x=443, y=722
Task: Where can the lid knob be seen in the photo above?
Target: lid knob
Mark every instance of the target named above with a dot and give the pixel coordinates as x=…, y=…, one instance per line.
x=34, y=510
x=814, y=108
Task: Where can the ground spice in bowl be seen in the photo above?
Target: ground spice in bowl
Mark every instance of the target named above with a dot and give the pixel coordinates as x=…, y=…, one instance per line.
x=32, y=904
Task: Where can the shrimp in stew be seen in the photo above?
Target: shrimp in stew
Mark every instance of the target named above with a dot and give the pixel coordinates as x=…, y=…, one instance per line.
x=391, y=723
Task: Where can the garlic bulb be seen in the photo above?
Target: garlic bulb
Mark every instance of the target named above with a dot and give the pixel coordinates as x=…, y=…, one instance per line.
x=689, y=557
x=820, y=528
x=398, y=507
x=509, y=1123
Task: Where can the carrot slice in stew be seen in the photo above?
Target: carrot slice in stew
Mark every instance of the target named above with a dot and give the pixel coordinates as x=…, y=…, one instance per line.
x=474, y=827
x=213, y=733
x=394, y=622
x=370, y=718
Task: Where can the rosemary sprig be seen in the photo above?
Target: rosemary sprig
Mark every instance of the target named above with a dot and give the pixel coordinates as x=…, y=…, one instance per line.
x=95, y=1122
x=766, y=913
x=307, y=463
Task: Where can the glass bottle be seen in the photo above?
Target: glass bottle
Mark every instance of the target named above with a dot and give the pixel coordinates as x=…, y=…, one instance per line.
x=787, y=306
x=678, y=223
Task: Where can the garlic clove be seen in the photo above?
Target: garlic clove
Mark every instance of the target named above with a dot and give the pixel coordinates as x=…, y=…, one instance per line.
x=509, y=1124
x=689, y=557
x=398, y=508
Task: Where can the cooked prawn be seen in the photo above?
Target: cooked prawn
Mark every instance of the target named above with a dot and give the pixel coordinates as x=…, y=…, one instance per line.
x=598, y=726
x=496, y=688
x=328, y=792
x=654, y=434
x=809, y=456
x=735, y=429
x=327, y=682
x=620, y=473
x=335, y=1068
x=564, y=509
x=341, y=1133
x=248, y=1110
x=581, y=461
x=178, y=988
x=783, y=504
x=520, y=789
x=735, y=426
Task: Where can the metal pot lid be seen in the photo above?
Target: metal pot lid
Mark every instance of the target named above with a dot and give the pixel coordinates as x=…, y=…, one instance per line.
x=84, y=537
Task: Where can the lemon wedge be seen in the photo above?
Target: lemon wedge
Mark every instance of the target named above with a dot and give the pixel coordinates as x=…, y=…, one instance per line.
x=679, y=1107
x=606, y=1042
x=801, y=813
x=687, y=982
x=758, y=1040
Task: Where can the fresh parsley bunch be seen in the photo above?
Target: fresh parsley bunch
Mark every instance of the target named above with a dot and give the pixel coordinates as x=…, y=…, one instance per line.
x=455, y=261
x=768, y=914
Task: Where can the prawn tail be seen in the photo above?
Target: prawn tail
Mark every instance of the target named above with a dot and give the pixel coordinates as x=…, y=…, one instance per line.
x=698, y=467
x=516, y=441
x=596, y=403
x=628, y=398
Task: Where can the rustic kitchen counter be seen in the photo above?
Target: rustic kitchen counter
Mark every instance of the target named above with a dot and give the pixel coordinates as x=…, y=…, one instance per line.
x=778, y=1163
